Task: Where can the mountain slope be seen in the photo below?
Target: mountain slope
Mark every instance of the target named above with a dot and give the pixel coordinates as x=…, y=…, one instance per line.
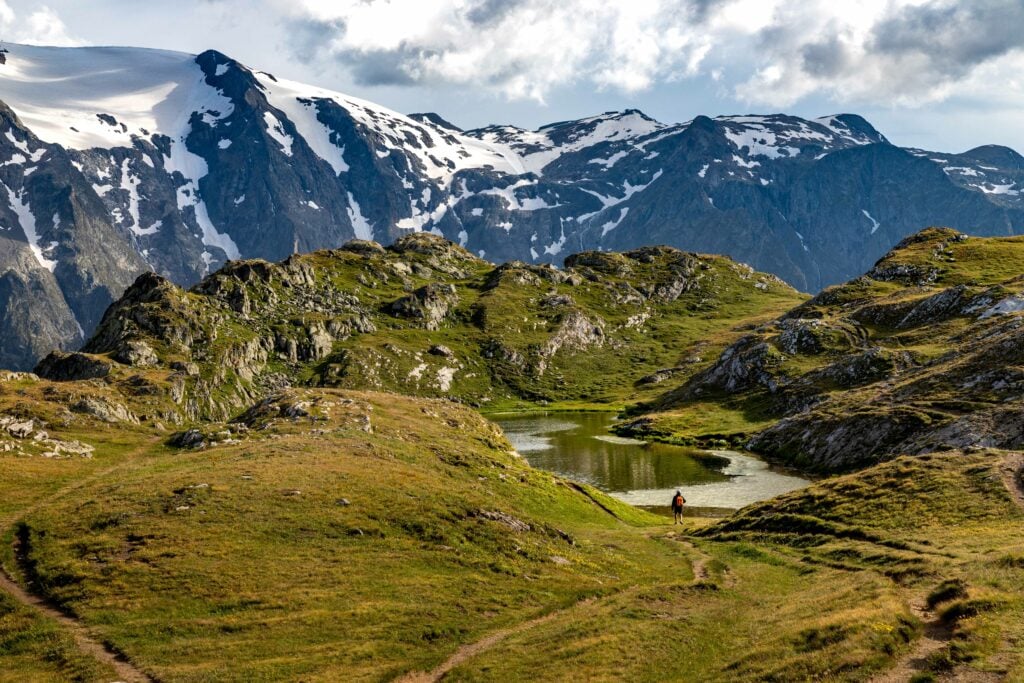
x=921, y=354
x=425, y=317
x=115, y=161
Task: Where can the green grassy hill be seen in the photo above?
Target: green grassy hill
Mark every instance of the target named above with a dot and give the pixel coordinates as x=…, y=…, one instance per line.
x=921, y=354
x=336, y=534
x=309, y=526
x=424, y=317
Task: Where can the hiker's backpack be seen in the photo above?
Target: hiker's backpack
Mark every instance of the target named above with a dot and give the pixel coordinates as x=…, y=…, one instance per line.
x=677, y=502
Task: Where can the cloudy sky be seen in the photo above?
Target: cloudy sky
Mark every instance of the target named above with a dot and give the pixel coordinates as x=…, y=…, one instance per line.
x=941, y=74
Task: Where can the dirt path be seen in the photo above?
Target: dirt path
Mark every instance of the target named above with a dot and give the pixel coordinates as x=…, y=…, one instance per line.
x=700, y=570
x=936, y=635
x=126, y=671
x=1012, y=469
x=467, y=652
x=78, y=484
x=699, y=565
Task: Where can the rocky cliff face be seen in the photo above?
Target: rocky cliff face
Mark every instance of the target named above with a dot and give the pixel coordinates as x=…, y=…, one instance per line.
x=422, y=316
x=924, y=353
x=116, y=161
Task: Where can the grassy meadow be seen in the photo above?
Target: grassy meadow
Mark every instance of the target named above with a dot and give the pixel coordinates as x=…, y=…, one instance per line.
x=374, y=536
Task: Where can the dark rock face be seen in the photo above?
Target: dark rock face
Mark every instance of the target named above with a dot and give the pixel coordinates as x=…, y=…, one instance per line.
x=254, y=167
x=65, y=367
x=428, y=305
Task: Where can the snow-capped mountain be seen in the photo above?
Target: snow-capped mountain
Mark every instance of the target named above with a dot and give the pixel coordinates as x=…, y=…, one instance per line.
x=114, y=161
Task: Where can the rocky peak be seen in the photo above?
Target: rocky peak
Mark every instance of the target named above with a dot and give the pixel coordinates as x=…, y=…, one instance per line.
x=438, y=252
x=177, y=163
x=364, y=248
x=857, y=126
x=604, y=262
x=996, y=155
x=436, y=120
x=148, y=287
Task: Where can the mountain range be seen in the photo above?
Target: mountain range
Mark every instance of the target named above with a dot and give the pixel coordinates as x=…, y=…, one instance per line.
x=118, y=161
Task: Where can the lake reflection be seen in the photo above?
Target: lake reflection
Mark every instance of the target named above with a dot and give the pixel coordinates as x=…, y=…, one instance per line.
x=579, y=446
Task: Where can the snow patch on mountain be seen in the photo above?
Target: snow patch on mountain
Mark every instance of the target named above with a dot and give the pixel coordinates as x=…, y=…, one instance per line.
x=360, y=225
x=275, y=129
x=874, y=224
x=130, y=184
x=26, y=219
x=611, y=225
x=612, y=160
x=83, y=98
x=151, y=230
x=538, y=149
x=780, y=136
x=294, y=100
x=802, y=243
x=512, y=200
x=440, y=151
x=193, y=167
x=994, y=188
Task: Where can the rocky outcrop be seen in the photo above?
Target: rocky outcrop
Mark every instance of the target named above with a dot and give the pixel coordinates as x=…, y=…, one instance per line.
x=801, y=336
x=865, y=371
x=65, y=367
x=421, y=316
x=839, y=443
x=428, y=306
x=30, y=438
x=749, y=363
x=104, y=410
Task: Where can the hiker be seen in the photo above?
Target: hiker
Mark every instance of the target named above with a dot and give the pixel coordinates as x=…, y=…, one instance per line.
x=677, y=506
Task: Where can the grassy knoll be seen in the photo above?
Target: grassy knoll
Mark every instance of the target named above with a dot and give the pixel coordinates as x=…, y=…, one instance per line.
x=837, y=582
x=369, y=536
x=317, y=553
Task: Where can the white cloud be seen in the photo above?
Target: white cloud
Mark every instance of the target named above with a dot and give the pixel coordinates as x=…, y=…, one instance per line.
x=521, y=48
x=768, y=52
x=43, y=26
x=890, y=52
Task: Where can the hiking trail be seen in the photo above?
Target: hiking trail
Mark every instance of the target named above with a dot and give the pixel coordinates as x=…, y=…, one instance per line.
x=935, y=637
x=936, y=634
x=86, y=643
x=471, y=650
x=466, y=652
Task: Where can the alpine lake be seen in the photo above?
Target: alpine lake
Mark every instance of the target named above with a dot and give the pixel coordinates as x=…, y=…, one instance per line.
x=580, y=446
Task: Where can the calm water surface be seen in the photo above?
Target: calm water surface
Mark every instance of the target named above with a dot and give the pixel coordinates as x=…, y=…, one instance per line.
x=579, y=446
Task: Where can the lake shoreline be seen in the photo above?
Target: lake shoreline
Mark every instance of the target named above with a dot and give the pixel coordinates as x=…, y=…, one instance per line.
x=580, y=445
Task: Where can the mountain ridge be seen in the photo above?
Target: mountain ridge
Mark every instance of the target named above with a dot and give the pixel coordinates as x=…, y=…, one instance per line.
x=164, y=161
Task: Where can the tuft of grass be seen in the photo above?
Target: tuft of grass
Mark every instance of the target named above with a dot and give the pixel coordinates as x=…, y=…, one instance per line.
x=951, y=589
